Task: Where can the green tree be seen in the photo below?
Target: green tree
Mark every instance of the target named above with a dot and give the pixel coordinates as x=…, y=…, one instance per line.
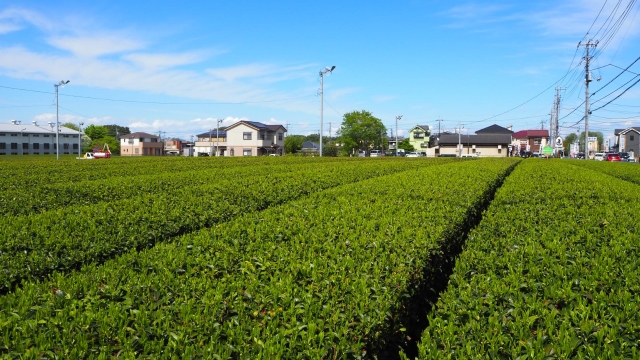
x=71, y=126
x=568, y=140
x=293, y=143
x=95, y=132
x=116, y=131
x=405, y=145
x=114, y=145
x=360, y=130
x=330, y=150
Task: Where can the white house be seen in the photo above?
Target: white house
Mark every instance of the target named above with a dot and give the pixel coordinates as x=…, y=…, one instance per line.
x=20, y=139
x=244, y=138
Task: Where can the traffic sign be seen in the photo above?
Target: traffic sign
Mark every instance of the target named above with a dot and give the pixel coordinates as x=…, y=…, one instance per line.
x=547, y=150
x=558, y=142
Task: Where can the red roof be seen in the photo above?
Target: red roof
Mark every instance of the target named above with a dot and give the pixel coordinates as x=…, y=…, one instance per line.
x=522, y=134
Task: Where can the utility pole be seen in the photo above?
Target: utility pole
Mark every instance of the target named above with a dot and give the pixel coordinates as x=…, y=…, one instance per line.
x=460, y=127
x=439, y=121
x=218, y=138
x=587, y=80
x=554, y=127
x=191, y=147
x=327, y=70
x=286, y=132
x=61, y=83
x=211, y=142
x=397, y=118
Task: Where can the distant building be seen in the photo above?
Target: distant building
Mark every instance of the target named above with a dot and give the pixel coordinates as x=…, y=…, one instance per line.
x=140, y=144
x=173, y=147
x=492, y=141
x=530, y=140
x=419, y=137
x=628, y=140
x=309, y=147
x=244, y=138
x=19, y=139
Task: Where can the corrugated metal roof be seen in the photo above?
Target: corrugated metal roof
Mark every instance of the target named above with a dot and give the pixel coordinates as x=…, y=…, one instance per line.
x=35, y=129
x=138, y=135
x=475, y=139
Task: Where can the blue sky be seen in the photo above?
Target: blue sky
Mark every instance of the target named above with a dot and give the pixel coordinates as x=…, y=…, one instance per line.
x=179, y=66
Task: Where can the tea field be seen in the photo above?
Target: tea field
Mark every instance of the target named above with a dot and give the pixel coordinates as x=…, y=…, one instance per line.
x=323, y=258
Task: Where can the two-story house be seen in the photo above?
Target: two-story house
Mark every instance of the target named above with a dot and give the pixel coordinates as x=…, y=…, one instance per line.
x=530, y=140
x=140, y=144
x=628, y=140
x=244, y=138
x=419, y=137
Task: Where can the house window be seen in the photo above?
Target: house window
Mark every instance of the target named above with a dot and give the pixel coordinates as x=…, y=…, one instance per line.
x=3, y=146
x=246, y=152
x=631, y=137
x=65, y=146
x=263, y=136
x=75, y=146
x=418, y=135
x=46, y=146
x=45, y=135
x=55, y=146
x=279, y=136
x=246, y=136
x=232, y=152
x=25, y=146
x=36, y=146
x=3, y=134
x=14, y=134
x=35, y=135
x=474, y=151
x=137, y=151
x=537, y=141
x=499, y=151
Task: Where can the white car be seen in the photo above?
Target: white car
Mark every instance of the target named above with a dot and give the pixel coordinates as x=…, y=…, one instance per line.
x=598, y=156
x=375, y=153
x=412, y=154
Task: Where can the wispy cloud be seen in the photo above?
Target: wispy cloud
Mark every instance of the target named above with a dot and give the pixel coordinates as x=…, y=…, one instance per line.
x=95, y=45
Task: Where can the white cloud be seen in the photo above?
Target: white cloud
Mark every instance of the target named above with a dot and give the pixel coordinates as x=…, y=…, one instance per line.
x=14, y=18
x=95, y=45
x=7, y=28
x=159, y=61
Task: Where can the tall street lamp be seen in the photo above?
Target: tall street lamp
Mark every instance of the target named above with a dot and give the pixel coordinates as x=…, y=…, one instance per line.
x=327, y=70
x=80, y=138
x=397, y=118
x=61, y=83
x=218, y=137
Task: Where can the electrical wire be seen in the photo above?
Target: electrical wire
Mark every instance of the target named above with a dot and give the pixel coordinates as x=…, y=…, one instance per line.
x=157, y=102
x=625, y=90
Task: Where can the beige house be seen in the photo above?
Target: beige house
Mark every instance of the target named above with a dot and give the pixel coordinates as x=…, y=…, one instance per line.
x=493, y=141
x=140, y=144
x=244, y=138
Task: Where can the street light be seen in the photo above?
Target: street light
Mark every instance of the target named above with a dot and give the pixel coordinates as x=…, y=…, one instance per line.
x=61, y=83
x=327, y=70
x=397, y=118
x=80, y=138
x=218, y=137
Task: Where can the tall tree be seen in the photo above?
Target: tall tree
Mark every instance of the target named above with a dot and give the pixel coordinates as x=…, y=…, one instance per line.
x=95, y=132
x=361, y=130
x=568, y=140
x=293, y=143
x=116, y=130
x=406, y=145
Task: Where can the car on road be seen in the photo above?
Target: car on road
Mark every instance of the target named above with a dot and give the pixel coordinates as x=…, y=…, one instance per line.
x=580, y=155
x=612, y=157
x=362, y=153
x=598, y=157
x=376, y=153
x=412, y=154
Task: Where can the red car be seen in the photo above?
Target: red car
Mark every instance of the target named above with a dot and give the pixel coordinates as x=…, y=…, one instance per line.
x=612, y=157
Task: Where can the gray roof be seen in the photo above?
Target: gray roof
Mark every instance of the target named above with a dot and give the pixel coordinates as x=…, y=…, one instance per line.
x=475, y=139
x=138, y=135
x=494, y=129
x=618, y=131
x=35, y=129
x=310, y=145
x=423, y=127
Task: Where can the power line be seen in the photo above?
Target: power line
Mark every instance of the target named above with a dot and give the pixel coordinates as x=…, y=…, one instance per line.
x=625, y=90
x=158, y=102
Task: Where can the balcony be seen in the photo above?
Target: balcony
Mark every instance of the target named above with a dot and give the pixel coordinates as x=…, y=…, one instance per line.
x=424, y=145
x=418, y=136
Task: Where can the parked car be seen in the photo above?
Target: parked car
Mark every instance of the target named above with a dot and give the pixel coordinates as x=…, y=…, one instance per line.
x=412, y=154
x=447, y=155
x=598, y=157
x=612, y=157
x=362, y=153
x=580, y=155
x=469, y=155
x=375, y=153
